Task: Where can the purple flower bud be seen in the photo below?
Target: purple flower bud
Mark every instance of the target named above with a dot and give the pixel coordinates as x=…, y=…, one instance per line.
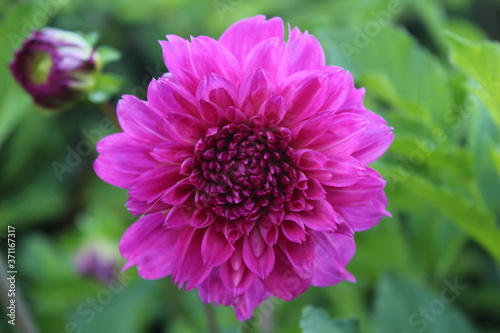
x=96, y=262
x=55, y=67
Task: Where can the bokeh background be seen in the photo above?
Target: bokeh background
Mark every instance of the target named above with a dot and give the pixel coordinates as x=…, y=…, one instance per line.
x=429, y=69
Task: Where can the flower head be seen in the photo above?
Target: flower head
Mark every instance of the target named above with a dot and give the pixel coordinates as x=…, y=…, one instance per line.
x=54, y=66
x=248, y=166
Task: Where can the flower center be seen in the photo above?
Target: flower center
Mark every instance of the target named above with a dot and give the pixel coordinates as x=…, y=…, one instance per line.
x=241, y=172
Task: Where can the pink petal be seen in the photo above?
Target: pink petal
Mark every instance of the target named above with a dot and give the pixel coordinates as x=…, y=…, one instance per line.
x=209, y=56
x=171, y=152
x=166, y=96
x=235, y=275
x=213, y=290
x=367, y=188
x=332, y=252
x=211, y=113
x=215, y=248
x=139, y=207
x=153, y=183
x=321, y=218
x=242, y=36
x=344, y=135
x=305, y=93
x=257, y=87
x=344, y=171
x=258, y=256
x=294, y=230
x=273, y=110
x=178, y=193
x=305, y=51
x=301, y=256
x=150, y=246
x=376, y=140
x=270, y=55
x=307, y=159
x=177, y=217
x=184, y=128
x=314, y=190
x=139, y=122
x=122, y=160
x=366, y=216
x=340, y=82
x=246, y=303
x=218, y=90
x=284, y=282
x=187, y=265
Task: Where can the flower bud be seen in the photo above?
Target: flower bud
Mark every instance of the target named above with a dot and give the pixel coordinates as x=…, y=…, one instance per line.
x=55, y=67
x=95, y=261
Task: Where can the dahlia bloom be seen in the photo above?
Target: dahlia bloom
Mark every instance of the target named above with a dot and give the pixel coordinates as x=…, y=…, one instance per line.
x=248, y=166
x=54, y=66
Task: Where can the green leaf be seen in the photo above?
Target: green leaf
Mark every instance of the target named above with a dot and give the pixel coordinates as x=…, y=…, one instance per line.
x=470, y=216
x=316, y=320
x=406, y=307
x=92, y=37
x=108, y=54
x=480, y=61
x=105, y=87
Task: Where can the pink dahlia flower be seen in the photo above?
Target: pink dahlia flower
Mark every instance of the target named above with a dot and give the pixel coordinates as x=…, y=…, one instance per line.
x=248, y=166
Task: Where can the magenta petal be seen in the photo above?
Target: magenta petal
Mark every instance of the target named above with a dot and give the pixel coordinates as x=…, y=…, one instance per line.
x=235, y=276
x=305, y=51
x=170, y=152
x=153, y=183
x=344, y=170
x=139, y=207
x=321, y=218
x=365, y=189
x=166, y=96
x=215, y=248
x=294, y=230
x=122, y=160
x=187, y=265
x=201, y=218
x=332, y=252
x=284, y=282
x=273, y=110
x=258, y=256
x=209, y=56
x=183, y=127
x=150, y=246
x=242, y=36
x=345, y=134
x=139, y=121
x=339, y=82
x=246, y=303
x=366, y=216
x=307, y=159
x=305, y=93
x=218, y=90
x=178, y=193
x=301, y=256
x=269, y=55
x=376, y=140
x=213, y=290
x=255, y=90
x=177, y=217
x=314, y=190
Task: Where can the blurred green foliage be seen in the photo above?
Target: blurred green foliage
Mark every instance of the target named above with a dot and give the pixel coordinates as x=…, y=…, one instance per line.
x=428, y=69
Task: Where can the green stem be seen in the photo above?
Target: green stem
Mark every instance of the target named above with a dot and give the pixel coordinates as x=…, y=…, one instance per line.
x=110, y=112
x=24, y=322
x=212, y=323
